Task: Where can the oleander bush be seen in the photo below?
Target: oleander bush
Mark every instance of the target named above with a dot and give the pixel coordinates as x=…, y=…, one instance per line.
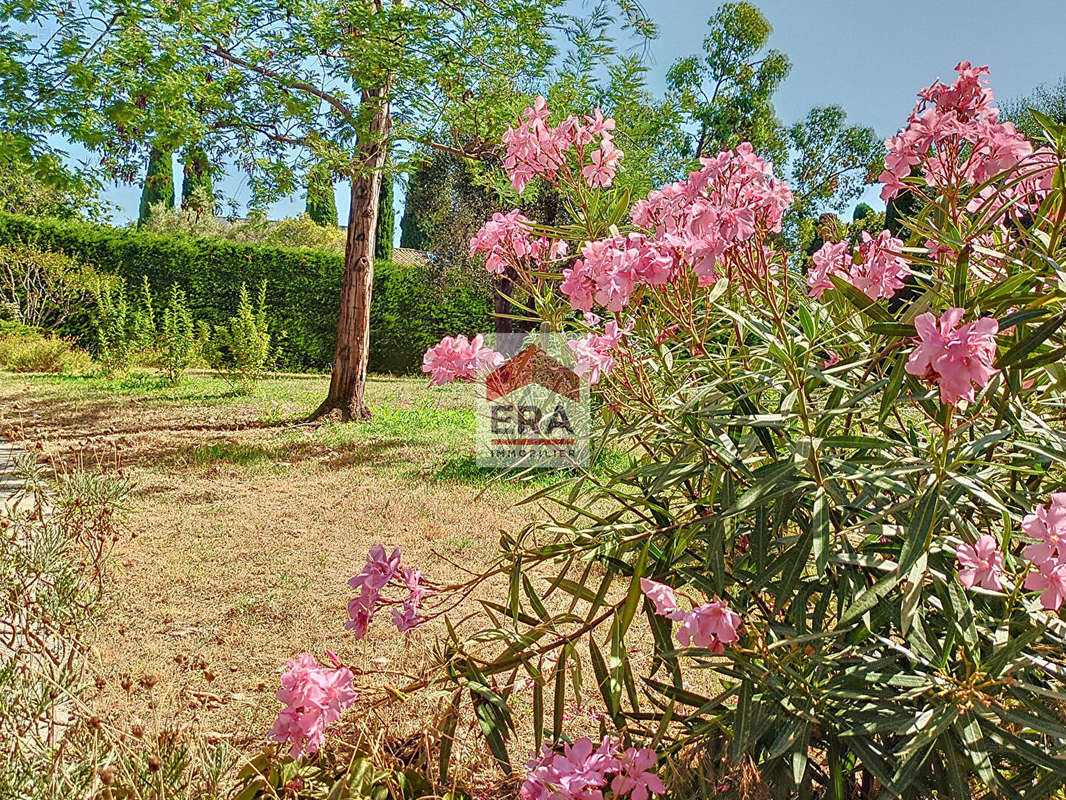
x=843, y=520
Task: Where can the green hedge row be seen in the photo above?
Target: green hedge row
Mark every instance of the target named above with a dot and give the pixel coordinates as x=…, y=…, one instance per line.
x=411, y=309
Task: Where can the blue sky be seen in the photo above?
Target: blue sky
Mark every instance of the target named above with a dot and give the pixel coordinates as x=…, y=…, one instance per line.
x=868, y=57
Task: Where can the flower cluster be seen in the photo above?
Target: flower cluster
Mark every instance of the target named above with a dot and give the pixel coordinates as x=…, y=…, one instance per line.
x=981, y=563
x=702, y=223
x=535, y=149
x=710, y=626
x=610, y=269
x=314, y=697
x=878, y=269
x=583, y=771
x=456, y=358
x=506, y=240
x=953, y=136
x=594, y=353
x=376, y=575
x=1047, y=524
x=713, y=215
x=955, y=357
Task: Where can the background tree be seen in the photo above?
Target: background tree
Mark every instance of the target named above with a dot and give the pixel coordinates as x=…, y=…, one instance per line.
x=321, y=202
x=278, y=88
x=38, y=183
x=862, y=211
x=726, y=97
x=727, y=92
x=1048, y=98
x=197, y=193
x=158, y=186
x=832, y=161
x=386, y=220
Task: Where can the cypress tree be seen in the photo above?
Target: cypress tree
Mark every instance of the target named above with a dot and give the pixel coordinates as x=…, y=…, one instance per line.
x=411, y=233
x=862, y=211
x=386, y=221
x=321, y=204
x=158, y=183
x=196, y=189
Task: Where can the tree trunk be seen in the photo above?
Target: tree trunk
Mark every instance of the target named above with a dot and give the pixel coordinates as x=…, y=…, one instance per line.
x=501, y=302
x=347, y=387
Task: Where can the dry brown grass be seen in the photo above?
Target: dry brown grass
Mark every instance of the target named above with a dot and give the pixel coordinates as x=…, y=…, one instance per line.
x=245, y=525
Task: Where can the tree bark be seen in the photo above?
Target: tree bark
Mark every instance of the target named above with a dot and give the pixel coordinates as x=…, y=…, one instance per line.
x=502, y=288
x=347, y=387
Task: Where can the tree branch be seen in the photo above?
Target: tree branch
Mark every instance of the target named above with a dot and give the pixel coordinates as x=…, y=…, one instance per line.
x=281, y=80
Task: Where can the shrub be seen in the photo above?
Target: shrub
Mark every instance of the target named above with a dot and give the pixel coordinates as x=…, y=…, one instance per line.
x=122, y=328
x=24, y=349
x=413, y=306
x=840, y=530
x=240, y=349
x=42, y=289
x=177, y=339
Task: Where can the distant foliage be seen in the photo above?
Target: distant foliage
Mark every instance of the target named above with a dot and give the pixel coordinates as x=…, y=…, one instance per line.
x=1048, y=99
x=413, y=306
x=728, y=90
x=386, y=220
x=38, y=183
x=197, y=192
x=321, y=204
x=24, y=349
x=45, y=289
x=299, y=231
x=158, y=186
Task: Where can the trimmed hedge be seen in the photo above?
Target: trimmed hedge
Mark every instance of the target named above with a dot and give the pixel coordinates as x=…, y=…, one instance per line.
x=410, y=310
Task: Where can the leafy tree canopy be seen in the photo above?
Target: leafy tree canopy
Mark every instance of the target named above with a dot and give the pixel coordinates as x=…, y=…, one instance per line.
x=1049, y=99
x=727, y=91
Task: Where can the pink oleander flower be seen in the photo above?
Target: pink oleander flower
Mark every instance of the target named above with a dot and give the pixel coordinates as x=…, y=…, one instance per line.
x=584, y=771
x=709, y=220
x=456, y=358
x=710, y=626
x=505, y=239
x=407, y=618
x=593, y=353
x=1050, y=579
x=604, y=165
x=1047, y=524
x=661, y=596
x=955, y=357
x=533, y=148
x=635, y=776
x=832, y=258
x=314, y=697
x=378, y=570
x=878, y=269
x=980, y=564
x=953, y=135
